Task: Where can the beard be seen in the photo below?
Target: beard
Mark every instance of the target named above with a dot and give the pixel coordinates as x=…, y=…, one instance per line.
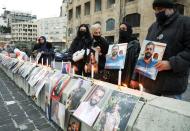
x=114, y=54
x=148, y=55
x=93, y=102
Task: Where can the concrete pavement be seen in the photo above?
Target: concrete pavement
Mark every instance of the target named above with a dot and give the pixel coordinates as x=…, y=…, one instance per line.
x=17, y=111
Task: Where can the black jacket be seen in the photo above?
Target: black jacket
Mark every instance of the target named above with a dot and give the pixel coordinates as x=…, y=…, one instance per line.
x=104, y=45
x=77, y=45
x=48, y=52
x=175, y=32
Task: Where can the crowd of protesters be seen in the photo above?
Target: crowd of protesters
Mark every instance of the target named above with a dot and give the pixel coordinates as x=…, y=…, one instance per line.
x=170, y=27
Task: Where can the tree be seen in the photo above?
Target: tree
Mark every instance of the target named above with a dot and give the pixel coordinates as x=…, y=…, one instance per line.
x=4, y=29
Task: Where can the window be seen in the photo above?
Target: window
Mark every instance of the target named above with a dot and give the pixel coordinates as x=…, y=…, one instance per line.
x=110, y=39
x=110, y=3
x=70, y=14
x=180, y=8
x=78, y=11
x=98, y=4
x=87, y=8
x=110, y=24
x=133, y=19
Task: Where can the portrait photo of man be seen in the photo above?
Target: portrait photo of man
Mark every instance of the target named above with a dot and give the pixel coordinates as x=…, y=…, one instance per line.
x=111, y=119
x=116, y=112
x=115, y=59
x=88, y=110
x=74, y=97
x=148, y=59
x=66, y=67
x=74, y=124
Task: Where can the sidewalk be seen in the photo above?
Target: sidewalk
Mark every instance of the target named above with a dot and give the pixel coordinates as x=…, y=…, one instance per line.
x=17, y=111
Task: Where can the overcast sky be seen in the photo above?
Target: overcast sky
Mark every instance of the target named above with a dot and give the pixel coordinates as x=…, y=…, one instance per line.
x=41, y=8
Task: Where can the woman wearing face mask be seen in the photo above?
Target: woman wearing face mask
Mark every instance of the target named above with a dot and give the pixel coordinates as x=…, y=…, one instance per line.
x=46, y=50
x=133, y=49
x=83, y=40
x=100, y=45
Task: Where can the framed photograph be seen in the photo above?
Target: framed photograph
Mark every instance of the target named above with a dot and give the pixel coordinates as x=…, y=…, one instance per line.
x=58, y=113
x=74, y=124
x=151, y=53
x=116, y=112
x=66, y=67
x=74, y=94
x=90, y=108
x=115, y=59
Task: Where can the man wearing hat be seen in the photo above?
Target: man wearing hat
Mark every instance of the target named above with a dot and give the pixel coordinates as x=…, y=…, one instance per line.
x=174, y=30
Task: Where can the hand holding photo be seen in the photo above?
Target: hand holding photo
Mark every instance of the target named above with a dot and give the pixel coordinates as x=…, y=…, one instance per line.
x=151, y=53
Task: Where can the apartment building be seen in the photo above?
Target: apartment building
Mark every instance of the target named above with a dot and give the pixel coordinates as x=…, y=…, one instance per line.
x=24, y=31
x=54, y=29
x=10, y=17
x=110, y=13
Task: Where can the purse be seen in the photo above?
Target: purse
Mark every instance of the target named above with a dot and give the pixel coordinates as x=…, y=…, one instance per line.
x=78, y=55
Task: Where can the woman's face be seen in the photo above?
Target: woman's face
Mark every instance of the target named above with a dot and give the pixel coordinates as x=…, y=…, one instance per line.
x=83, y=29
x=123, y=27
x=41, y=40
x=97, y=32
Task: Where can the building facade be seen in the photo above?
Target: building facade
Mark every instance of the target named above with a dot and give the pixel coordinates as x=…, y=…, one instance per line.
x=10, y=17
x=24, y=31
x=110, y=13
x=54, y=29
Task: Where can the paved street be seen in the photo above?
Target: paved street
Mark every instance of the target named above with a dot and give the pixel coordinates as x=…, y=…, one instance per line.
x=18, y=111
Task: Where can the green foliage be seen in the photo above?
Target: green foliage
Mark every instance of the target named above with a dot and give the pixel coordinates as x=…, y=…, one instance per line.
x=4, y=29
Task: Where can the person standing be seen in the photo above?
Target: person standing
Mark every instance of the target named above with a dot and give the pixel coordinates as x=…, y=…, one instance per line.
x=133, y=50
x=83, y=40
x=46, y=50
x=100, y=46
x=174, y=30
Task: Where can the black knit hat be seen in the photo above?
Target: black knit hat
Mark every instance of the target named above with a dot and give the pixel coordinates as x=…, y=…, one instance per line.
x=164, y=3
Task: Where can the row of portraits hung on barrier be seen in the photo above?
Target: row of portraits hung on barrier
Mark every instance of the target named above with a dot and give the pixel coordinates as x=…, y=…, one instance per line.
x=99, y=107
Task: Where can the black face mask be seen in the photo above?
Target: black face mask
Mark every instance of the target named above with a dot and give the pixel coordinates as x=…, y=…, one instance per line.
x=161, y=17
x=82, y=33
x=148, y=55
x=124, y=36
x=96, y=37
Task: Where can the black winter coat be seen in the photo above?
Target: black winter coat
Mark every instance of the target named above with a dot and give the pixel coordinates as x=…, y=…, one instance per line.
x=175, y=32
x=104, y=45
x=77, y=45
